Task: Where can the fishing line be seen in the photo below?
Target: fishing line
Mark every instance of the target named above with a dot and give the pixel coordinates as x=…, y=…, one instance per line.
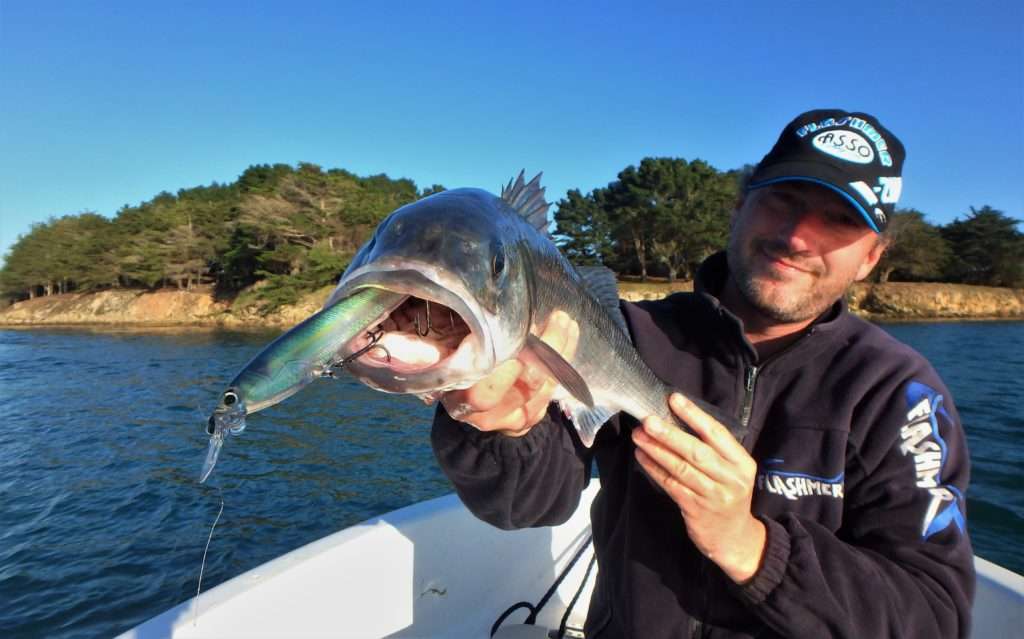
x=202, y=567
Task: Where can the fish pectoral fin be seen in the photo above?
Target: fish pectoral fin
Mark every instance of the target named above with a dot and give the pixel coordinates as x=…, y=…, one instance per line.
x=560, y=370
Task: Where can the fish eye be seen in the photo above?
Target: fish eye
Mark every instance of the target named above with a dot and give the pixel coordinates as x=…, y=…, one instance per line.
x=497, y=259
x=211, y=426
x=230, y=398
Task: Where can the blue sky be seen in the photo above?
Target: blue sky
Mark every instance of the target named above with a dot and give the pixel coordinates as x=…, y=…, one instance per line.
x=104, y=104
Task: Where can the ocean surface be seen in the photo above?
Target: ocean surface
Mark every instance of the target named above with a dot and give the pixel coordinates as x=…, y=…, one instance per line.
x=103, y=523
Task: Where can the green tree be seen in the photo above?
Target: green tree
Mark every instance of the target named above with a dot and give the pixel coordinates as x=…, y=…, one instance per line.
x=61, y=235
x=25, y=272
x=915, y=251
x=986, y=249
x=583, y=230
x=141, y=251
x=308, y=207
x=632, y=215
x=666, y=212
x=692, y=201
x=58, y=256
x=202, y=229
x=432, y=189
x=297, y=227
x=89, y=243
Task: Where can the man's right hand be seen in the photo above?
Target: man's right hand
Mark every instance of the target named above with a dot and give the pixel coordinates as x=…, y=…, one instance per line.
x=515, y=396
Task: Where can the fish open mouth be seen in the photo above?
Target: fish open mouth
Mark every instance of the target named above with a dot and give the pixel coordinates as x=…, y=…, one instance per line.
x=418, y=335
x=437, y=335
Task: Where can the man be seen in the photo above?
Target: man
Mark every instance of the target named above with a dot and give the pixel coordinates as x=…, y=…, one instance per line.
x=821, y=492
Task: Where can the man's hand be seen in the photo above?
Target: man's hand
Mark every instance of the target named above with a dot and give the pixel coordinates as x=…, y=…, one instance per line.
x=515, y=396
x=711, y=479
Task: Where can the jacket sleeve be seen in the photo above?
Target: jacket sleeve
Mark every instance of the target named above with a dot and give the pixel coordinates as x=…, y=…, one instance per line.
x=901, y=564
x=513, y=482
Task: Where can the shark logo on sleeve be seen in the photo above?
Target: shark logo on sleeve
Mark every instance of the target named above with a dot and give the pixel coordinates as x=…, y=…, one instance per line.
x=921, y=438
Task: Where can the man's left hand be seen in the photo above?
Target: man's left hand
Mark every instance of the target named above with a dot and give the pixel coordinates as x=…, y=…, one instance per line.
x=711, y=479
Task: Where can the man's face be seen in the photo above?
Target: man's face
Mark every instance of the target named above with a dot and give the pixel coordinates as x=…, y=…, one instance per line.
x=796, y=247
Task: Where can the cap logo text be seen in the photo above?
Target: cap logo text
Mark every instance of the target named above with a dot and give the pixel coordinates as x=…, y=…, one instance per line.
x=845, y=145
x=851, y=122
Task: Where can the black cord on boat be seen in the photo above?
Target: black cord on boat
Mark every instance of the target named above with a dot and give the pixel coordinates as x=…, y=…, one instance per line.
x=531, y=619
x=564, y=625
x=501, y=619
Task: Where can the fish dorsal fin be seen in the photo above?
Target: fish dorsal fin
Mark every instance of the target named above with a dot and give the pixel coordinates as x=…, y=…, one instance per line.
x=603, y=285
x=528, y=201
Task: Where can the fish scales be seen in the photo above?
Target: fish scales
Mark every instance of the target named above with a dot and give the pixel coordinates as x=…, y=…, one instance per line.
x=605, y=357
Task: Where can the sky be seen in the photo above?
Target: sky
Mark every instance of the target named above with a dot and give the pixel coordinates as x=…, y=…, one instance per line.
x=106, y=104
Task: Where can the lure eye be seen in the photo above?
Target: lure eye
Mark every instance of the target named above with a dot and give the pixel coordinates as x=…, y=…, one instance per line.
x=230, y=398
x=211, y=426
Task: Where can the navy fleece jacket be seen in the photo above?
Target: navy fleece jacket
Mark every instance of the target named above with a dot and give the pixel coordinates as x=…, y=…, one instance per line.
x=862, y=475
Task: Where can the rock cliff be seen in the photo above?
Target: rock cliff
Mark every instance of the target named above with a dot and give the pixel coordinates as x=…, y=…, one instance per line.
x=118, y=307
x=894, y=300
x=905, y=300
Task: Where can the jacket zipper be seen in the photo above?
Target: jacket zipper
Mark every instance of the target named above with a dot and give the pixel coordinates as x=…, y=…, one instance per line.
x=748, y=395
x=750, y=380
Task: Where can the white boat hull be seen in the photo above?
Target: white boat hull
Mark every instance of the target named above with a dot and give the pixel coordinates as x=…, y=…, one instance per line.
x=434, y=570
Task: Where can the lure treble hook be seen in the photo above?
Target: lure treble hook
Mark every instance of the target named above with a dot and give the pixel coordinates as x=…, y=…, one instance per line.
x=416, y=322
x=374, y=337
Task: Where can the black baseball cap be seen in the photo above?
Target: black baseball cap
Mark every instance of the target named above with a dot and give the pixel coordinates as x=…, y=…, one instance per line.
x=850, y=153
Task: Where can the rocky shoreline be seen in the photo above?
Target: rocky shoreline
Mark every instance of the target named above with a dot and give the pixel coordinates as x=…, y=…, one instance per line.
x=914, y=301
x=133, y=308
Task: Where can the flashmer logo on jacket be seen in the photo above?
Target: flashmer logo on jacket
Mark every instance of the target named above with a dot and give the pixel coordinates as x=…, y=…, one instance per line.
x=794, y=485
x=922, y=439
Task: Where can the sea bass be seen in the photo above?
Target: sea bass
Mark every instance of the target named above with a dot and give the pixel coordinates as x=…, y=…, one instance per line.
x=308, y=351
x=448, y=288
x=481, y=276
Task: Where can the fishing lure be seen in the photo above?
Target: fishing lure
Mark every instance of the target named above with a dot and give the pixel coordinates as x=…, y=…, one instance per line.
x=295, y=359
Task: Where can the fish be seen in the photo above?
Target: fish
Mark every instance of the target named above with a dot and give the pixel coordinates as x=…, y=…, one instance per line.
x=448, y=288
x=303, y=354
x=480, y=275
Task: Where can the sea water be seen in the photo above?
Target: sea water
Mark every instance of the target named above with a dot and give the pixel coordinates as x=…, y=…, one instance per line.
x=103, y=523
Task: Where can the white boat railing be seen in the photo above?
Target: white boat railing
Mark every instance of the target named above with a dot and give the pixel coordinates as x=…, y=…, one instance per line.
x=998, y=602
x=434, y=570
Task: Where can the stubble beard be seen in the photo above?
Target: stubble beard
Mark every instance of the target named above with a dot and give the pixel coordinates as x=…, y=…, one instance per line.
x=770, y=295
